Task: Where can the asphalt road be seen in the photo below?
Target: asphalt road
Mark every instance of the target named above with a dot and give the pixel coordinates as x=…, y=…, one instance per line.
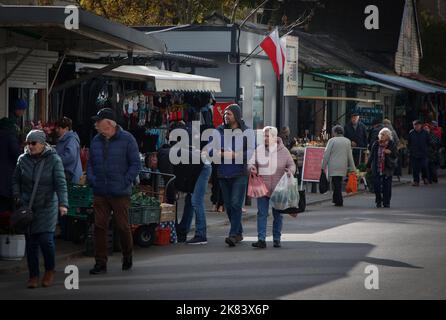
x=325, y=253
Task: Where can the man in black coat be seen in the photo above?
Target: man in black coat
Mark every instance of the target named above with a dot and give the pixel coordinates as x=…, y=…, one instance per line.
x=418, y=144
x=10, y=151
x=356, y=131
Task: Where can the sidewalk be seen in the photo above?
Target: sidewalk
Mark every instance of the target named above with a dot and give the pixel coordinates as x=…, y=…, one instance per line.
x=66, y=250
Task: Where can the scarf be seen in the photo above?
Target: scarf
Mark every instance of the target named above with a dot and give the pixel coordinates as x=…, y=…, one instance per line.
x=381, y=156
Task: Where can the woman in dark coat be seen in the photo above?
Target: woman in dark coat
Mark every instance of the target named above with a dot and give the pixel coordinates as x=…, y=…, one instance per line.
x=382, y=161
x=51, y=196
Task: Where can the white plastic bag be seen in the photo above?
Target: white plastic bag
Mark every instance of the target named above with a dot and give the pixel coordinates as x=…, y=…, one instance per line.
x=286, y=194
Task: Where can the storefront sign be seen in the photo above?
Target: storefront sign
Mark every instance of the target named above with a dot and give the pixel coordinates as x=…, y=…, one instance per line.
x=290, y=84
x=312, y=166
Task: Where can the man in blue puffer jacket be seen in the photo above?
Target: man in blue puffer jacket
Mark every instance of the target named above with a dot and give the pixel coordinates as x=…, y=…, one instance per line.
x=113, y=165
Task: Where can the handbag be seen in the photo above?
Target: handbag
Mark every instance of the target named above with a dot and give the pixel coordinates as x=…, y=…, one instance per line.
x=300, y=208
x=256, y=187
x=23, y=216
x=323, y=182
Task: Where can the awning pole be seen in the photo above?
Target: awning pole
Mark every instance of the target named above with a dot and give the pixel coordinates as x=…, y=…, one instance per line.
x=57, y=73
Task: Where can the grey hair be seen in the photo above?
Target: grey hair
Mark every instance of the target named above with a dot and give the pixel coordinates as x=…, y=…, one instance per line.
x=385, y=131
x=337, y=130
x=272, y=131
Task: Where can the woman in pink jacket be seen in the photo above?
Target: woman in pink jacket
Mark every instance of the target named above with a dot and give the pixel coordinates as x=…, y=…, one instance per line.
x=270, y=161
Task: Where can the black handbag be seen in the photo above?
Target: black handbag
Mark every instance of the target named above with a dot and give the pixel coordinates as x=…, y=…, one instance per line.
x=323, y=183
x=301, y=206
x=23, y=216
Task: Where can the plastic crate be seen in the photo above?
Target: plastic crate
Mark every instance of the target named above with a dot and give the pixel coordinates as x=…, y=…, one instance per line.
x=144, y=215
x=80, y=196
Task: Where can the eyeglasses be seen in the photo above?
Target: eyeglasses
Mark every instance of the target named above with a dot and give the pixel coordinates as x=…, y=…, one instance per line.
x=32, y=143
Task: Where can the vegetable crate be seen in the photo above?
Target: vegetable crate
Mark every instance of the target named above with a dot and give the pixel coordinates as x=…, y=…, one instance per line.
x=79, y=197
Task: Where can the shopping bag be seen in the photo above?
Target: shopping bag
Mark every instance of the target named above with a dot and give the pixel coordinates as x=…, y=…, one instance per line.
x=323, y=182
x=300, y=208
x=352, y=183
x=285, y=195
x=256, y=186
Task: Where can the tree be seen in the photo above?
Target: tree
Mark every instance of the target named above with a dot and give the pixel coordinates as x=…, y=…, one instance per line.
x=163, y=12
x=433, y=35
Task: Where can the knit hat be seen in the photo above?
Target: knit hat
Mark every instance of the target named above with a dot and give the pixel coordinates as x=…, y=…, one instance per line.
x=20, y=104
x=235, y=109
x=36, y=136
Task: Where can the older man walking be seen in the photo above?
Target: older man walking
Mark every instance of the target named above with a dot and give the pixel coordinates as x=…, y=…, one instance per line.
x=113, y=166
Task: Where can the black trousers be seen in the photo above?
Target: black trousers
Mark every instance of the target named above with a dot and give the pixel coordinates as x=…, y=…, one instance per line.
x=382, y=186
x=337, y=190
x=432, y=171
x=419, y=165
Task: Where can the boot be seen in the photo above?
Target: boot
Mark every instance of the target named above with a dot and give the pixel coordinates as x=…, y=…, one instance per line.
x=48, y=278
x=33, y=283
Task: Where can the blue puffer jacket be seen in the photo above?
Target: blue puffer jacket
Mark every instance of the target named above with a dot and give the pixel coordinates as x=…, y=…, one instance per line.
x=113, y=165
x=69, y=151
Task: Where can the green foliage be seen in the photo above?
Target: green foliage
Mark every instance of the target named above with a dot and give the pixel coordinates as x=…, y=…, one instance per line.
x=163, y=12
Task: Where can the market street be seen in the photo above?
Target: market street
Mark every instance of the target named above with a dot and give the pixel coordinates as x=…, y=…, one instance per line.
x=324, y=254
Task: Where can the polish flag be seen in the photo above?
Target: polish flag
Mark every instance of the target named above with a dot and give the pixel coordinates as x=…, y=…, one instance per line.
x=274, y=49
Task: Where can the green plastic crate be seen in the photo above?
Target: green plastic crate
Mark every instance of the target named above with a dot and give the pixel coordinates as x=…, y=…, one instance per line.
x=144, y=214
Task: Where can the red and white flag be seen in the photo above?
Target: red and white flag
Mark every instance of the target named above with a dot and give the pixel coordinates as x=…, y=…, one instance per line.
x=273, y=48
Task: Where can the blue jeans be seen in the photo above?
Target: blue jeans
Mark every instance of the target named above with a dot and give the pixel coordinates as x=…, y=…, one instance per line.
x=195, y=203
x=234, y=193
x=44, y=241
x=262, y=219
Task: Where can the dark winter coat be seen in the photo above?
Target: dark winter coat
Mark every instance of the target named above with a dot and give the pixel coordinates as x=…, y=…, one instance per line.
x=51, y=192
x=113, y=164
x=418, y=143
x=433, y=149
x=10, y=151
x=359, y=136
x=69, y=150
x=390, y=160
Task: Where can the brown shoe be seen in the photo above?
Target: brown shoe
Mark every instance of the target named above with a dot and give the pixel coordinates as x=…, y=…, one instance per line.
x=33, y=283
x=415, y=184
x=425, y=181
x=48, y=278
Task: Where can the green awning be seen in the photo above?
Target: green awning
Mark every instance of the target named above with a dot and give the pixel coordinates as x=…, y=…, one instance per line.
x=353, y=80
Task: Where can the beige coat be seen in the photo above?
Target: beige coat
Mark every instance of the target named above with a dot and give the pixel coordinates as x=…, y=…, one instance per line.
x=338, y=157
x=267, y=168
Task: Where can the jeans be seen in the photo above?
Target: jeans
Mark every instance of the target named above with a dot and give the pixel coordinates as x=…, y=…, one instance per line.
x=44, y=241
x=234, y=192
x=194, y=203
x=337, y=190
x=102, y=208
x=382, y=186
x=418, y=166
x=262, y=218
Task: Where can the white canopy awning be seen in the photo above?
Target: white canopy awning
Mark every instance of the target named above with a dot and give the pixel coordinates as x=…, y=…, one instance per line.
x=164, y=80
